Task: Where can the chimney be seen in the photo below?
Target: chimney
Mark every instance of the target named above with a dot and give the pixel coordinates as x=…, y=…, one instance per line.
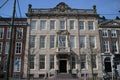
x=29, y=7
x=94, y=8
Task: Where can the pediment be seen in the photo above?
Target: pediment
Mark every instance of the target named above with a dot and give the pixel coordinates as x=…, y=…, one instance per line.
x=62, y=7
x=110, y=23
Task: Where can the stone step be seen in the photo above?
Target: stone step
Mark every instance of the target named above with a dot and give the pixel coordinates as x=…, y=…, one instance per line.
x=64, y=76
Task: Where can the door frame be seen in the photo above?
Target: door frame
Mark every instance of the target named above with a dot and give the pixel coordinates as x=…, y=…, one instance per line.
x=66, y=65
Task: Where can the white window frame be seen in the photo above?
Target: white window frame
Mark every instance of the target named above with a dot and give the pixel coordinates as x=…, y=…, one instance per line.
x=32, y=61
x=52, y=61
x=42, y=41
x=96, y=61
x=65, y=41
x=113, y=33
x=44, y=62
x=115, y=44
x=31, y=41
x=52, y=36
x=7, y=46
x=86, y=66
x=35, y=25
x=1, y=33
x=54, y=24
x=8, y=33
x=106, y=45
x=18, y=34
x=5, y=64
x=89, y=26
x=72, y=25
x=104, y=32
x=84, y=41
x=94, y=41
x=74, y=42
x=82, y=25
x=17, y=58
x=17, y=46
x=74, y=61
x=41, y=24
x=64, y=24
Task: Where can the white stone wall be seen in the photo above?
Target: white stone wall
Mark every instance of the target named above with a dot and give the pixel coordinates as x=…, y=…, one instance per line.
x=47, y=51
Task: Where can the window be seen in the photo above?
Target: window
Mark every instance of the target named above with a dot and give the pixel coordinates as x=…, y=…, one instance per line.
x=43, y=25
x=113, y=33
x=8, y=33
x=72, y=24
x=83, y=61
x=62, y=41
x=105, y=46
x=51, y=61
x=32, y=41
x=90, y=25
x=104, y=33
x=18, y=47
x=0, y=47
x=92, y=41
x=114, y=46
x=72, y=41
x=32, y=61
x=81, y=25
x=52, y=41
x=33, y=25
x=17, y=64
x=73, y=62
x=82, y=41
x=94, y=62
x=5, y=64
x=19, y=33
x=1, y=32
x=62, y=25
x=52, y=25
x=7, y=46
x=42, y=62
x=42, y=41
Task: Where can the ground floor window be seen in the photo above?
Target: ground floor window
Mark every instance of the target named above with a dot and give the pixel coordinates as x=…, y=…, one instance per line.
x=17, y=64
x=42, y=61
x=83, y=61
x=51, y=61
x=73, y=62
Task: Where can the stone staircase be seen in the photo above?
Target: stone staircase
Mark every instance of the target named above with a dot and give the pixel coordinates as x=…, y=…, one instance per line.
x=63, y=76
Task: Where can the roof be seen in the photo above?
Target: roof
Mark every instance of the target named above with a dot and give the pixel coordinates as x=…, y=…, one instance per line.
x=60, y=9
x=17, y=21
x=110, y=23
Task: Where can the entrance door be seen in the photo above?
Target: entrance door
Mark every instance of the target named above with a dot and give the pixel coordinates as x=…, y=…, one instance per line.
x=107, y=63
x=62, y=66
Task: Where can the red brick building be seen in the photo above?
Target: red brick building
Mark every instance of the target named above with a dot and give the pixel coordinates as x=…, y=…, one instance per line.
x=18, y=48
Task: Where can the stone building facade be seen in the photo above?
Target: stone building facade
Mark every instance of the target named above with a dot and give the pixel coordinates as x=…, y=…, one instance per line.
x=18, y=48
x=62, y=40
x=110, y=45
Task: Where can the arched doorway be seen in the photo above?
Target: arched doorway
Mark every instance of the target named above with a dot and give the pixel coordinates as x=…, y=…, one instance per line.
x=107, y=63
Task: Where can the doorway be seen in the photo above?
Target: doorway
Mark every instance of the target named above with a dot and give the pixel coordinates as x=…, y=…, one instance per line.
x=107, y=63
x=63, y=66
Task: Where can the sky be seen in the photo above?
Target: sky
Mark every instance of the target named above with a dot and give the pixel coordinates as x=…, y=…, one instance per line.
x=108, y=8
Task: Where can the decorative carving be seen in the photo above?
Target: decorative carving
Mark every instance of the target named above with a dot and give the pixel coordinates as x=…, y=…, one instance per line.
x=63, y=32
x=62, y=7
